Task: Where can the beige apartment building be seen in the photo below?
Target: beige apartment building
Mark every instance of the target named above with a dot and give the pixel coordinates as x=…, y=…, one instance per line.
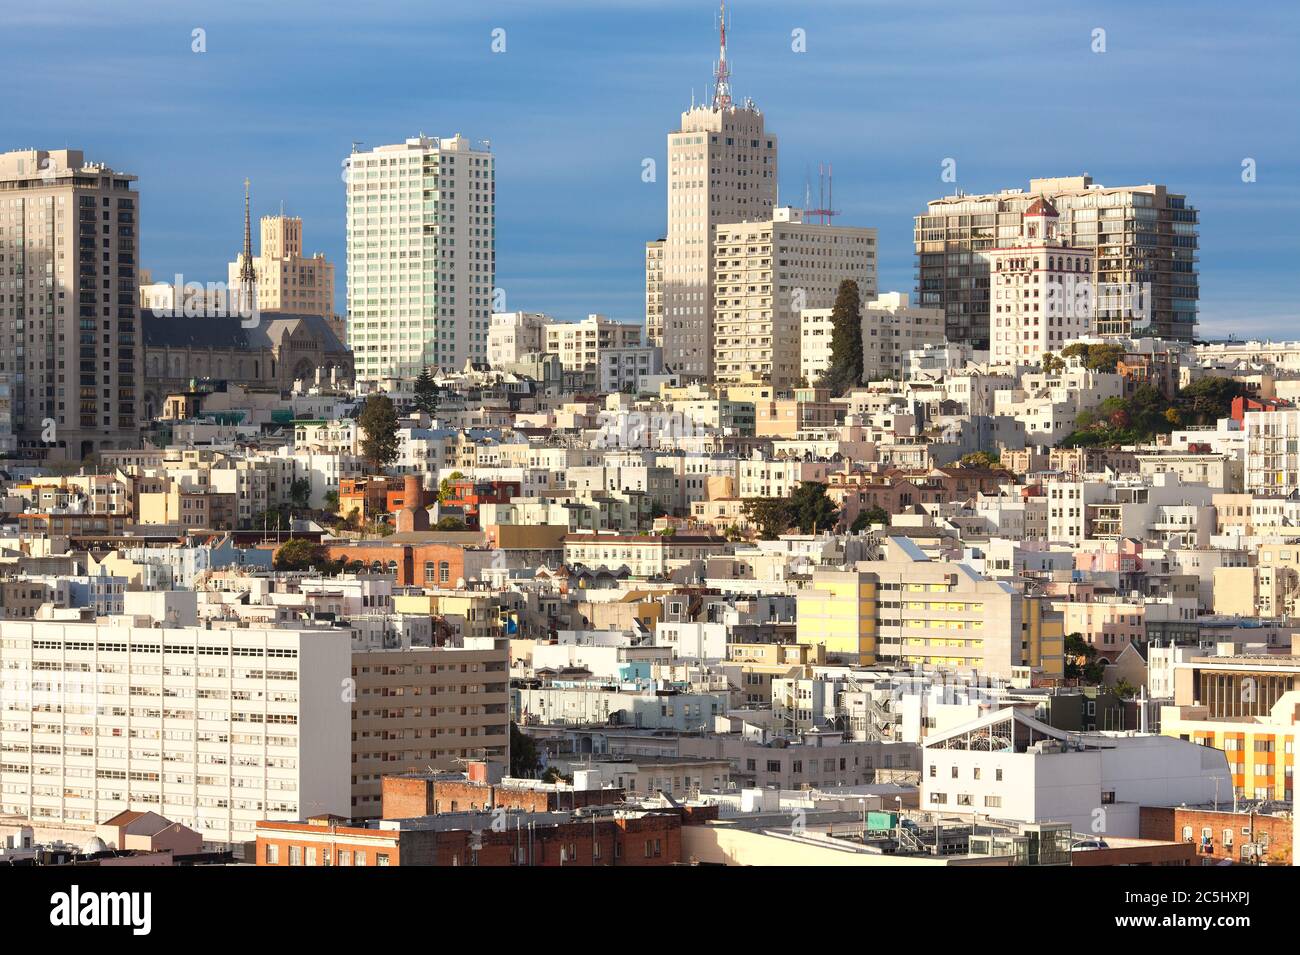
x=421, y=223
x=580, y=345
x=765, y=274
x=1139, y=236
x=654, y=291
x=890, y=329
x=69, y=320
x=1040, y=291
x=513, y=335
x=424, y=707
x=912, y=611
x=286, y=280
x=721, y=168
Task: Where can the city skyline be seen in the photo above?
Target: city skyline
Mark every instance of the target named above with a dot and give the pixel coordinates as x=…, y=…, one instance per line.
x=581, y=96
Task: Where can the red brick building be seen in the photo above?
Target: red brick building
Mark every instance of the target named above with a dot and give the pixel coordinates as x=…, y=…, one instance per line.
x=468, y=495
x=412, y=563
x=425, y=794
x=1244, y=837
x=622, y=838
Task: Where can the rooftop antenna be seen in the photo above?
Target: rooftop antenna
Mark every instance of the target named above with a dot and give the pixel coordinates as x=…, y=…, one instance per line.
x=722, y=72
x=825, y=192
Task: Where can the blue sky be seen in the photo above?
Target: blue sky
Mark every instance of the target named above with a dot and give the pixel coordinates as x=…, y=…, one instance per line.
x=585, y=91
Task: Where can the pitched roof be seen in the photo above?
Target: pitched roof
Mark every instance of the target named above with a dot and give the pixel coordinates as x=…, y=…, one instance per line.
x=161, y=329
x=1041, y=207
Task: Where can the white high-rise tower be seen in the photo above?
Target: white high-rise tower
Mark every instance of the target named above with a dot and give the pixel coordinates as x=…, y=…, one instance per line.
x=421, y=222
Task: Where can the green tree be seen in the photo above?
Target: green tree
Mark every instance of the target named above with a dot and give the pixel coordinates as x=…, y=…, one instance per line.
x=1081, y=662
x=771, y=516
x=378, y=419
x=332, y=501
x=298, y=553
x=1103, y=357
x=845, y=369
x=450, y=524
x=872, y=515
x=300, y=493
x=1206, y=400
x=524, y=759
x=1052, y=364
x=811, y=509
x=979, y=459
x=444, y=486
x=273, y=519
x=426, y=393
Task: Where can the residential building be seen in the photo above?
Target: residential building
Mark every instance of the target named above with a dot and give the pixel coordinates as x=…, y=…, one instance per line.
x=421, y=223
x=766, y=273
x=69, y=251
x=1143, y=238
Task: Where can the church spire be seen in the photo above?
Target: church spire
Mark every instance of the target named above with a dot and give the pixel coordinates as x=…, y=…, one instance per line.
x=247, y=274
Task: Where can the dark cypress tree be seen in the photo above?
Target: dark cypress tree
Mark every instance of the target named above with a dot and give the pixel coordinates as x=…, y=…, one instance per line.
x=426, y=393
x=845, y=370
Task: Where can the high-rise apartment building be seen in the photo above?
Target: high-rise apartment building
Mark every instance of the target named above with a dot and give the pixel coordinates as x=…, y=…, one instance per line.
x=69, y=320
x=765, y=274
x=421, y=222
x=285, y=279
x=1143, y=239
x=721, y=168
x=1040, y=290
x=215, y=729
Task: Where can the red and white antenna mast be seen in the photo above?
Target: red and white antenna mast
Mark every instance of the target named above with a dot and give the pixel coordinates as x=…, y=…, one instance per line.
x=722, y=72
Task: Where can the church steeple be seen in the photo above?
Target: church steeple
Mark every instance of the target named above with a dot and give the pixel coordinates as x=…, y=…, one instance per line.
x=247, y=274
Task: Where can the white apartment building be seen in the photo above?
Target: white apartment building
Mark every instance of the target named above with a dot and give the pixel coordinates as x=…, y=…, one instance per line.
x=513, y=335
x=1048, y=405
x=1040, y=291
x=215, y=729
x=421, y=223
x=721, y=168
x=765, y=274
x=623, y=368
x=1272, y=451
x=891, y=331
x=581, y=345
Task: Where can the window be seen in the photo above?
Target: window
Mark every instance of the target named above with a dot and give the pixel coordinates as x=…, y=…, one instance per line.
x=381, y=858
x=272, y=854
x=992, y=802
x=295, y=855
